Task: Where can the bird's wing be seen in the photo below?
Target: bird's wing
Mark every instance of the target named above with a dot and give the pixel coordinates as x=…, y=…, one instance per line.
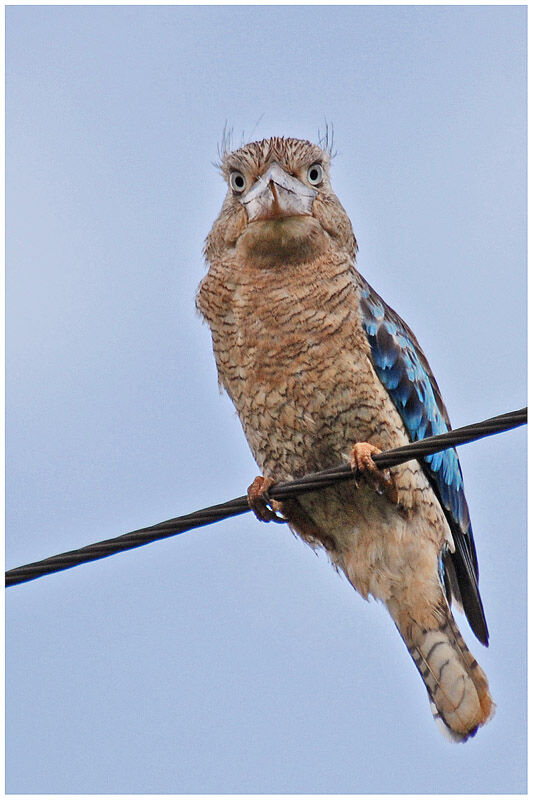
x=404, y=371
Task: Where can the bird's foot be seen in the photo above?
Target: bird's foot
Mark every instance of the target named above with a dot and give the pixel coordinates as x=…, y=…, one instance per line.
x=264, y=507
x=363, y=464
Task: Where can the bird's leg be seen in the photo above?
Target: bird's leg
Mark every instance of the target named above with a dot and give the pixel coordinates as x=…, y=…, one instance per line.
x=265, y=510
x=378, y=479
x=261, y=504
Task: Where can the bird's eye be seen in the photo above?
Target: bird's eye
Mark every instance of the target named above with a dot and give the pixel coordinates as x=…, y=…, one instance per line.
x=237, y=181
x=315, y=174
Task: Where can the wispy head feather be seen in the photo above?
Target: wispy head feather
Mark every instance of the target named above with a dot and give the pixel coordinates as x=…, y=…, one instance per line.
x=325, y=140
x=225, y=146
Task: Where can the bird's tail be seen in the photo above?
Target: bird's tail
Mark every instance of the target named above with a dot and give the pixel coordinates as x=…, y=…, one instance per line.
x=457, y=686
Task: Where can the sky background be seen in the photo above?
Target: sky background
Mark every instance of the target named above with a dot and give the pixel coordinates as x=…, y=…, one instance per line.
x=233, y=659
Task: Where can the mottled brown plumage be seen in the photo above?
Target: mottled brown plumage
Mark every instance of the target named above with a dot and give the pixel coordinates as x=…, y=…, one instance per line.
x=282, y=299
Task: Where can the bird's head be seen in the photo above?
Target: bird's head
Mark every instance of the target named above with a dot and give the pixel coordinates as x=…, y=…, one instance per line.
x=280, y=208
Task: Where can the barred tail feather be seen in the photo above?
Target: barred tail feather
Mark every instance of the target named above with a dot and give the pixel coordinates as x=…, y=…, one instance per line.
x=458, y=688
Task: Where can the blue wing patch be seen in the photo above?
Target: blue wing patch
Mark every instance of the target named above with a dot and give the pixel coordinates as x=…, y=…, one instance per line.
x=404, y=371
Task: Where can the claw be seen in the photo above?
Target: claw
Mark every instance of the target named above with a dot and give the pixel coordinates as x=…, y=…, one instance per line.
x=363, y=464
x=261, y=504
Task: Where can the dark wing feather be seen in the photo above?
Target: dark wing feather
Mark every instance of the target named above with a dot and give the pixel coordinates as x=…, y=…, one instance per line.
x=404, y=371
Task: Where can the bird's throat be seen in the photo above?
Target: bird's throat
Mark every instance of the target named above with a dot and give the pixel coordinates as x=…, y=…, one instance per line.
x=282, y=241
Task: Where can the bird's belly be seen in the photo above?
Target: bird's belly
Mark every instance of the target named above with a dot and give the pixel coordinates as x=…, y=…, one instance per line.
x=376, y=542
x=303, y=414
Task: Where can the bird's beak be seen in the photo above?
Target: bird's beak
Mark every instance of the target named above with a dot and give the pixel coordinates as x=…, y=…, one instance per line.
x=277, y=194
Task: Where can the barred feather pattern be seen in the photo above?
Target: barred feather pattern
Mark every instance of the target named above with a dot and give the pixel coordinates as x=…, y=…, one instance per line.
x=314, y=362
x=457, y=687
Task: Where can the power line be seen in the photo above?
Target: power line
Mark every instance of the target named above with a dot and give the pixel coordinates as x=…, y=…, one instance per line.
x=280, y=491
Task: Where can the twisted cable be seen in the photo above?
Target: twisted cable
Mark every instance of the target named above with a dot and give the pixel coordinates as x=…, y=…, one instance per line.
x=279, y=491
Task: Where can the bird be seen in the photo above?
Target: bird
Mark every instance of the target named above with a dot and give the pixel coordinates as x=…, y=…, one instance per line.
x=322, y=371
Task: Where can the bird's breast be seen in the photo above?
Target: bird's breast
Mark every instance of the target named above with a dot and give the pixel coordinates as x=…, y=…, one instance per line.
x=293, y=356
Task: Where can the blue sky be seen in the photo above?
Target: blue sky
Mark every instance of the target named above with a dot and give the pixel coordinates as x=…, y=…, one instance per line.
x=232, y=659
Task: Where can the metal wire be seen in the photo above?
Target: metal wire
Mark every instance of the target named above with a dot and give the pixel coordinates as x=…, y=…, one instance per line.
x=280, y=491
